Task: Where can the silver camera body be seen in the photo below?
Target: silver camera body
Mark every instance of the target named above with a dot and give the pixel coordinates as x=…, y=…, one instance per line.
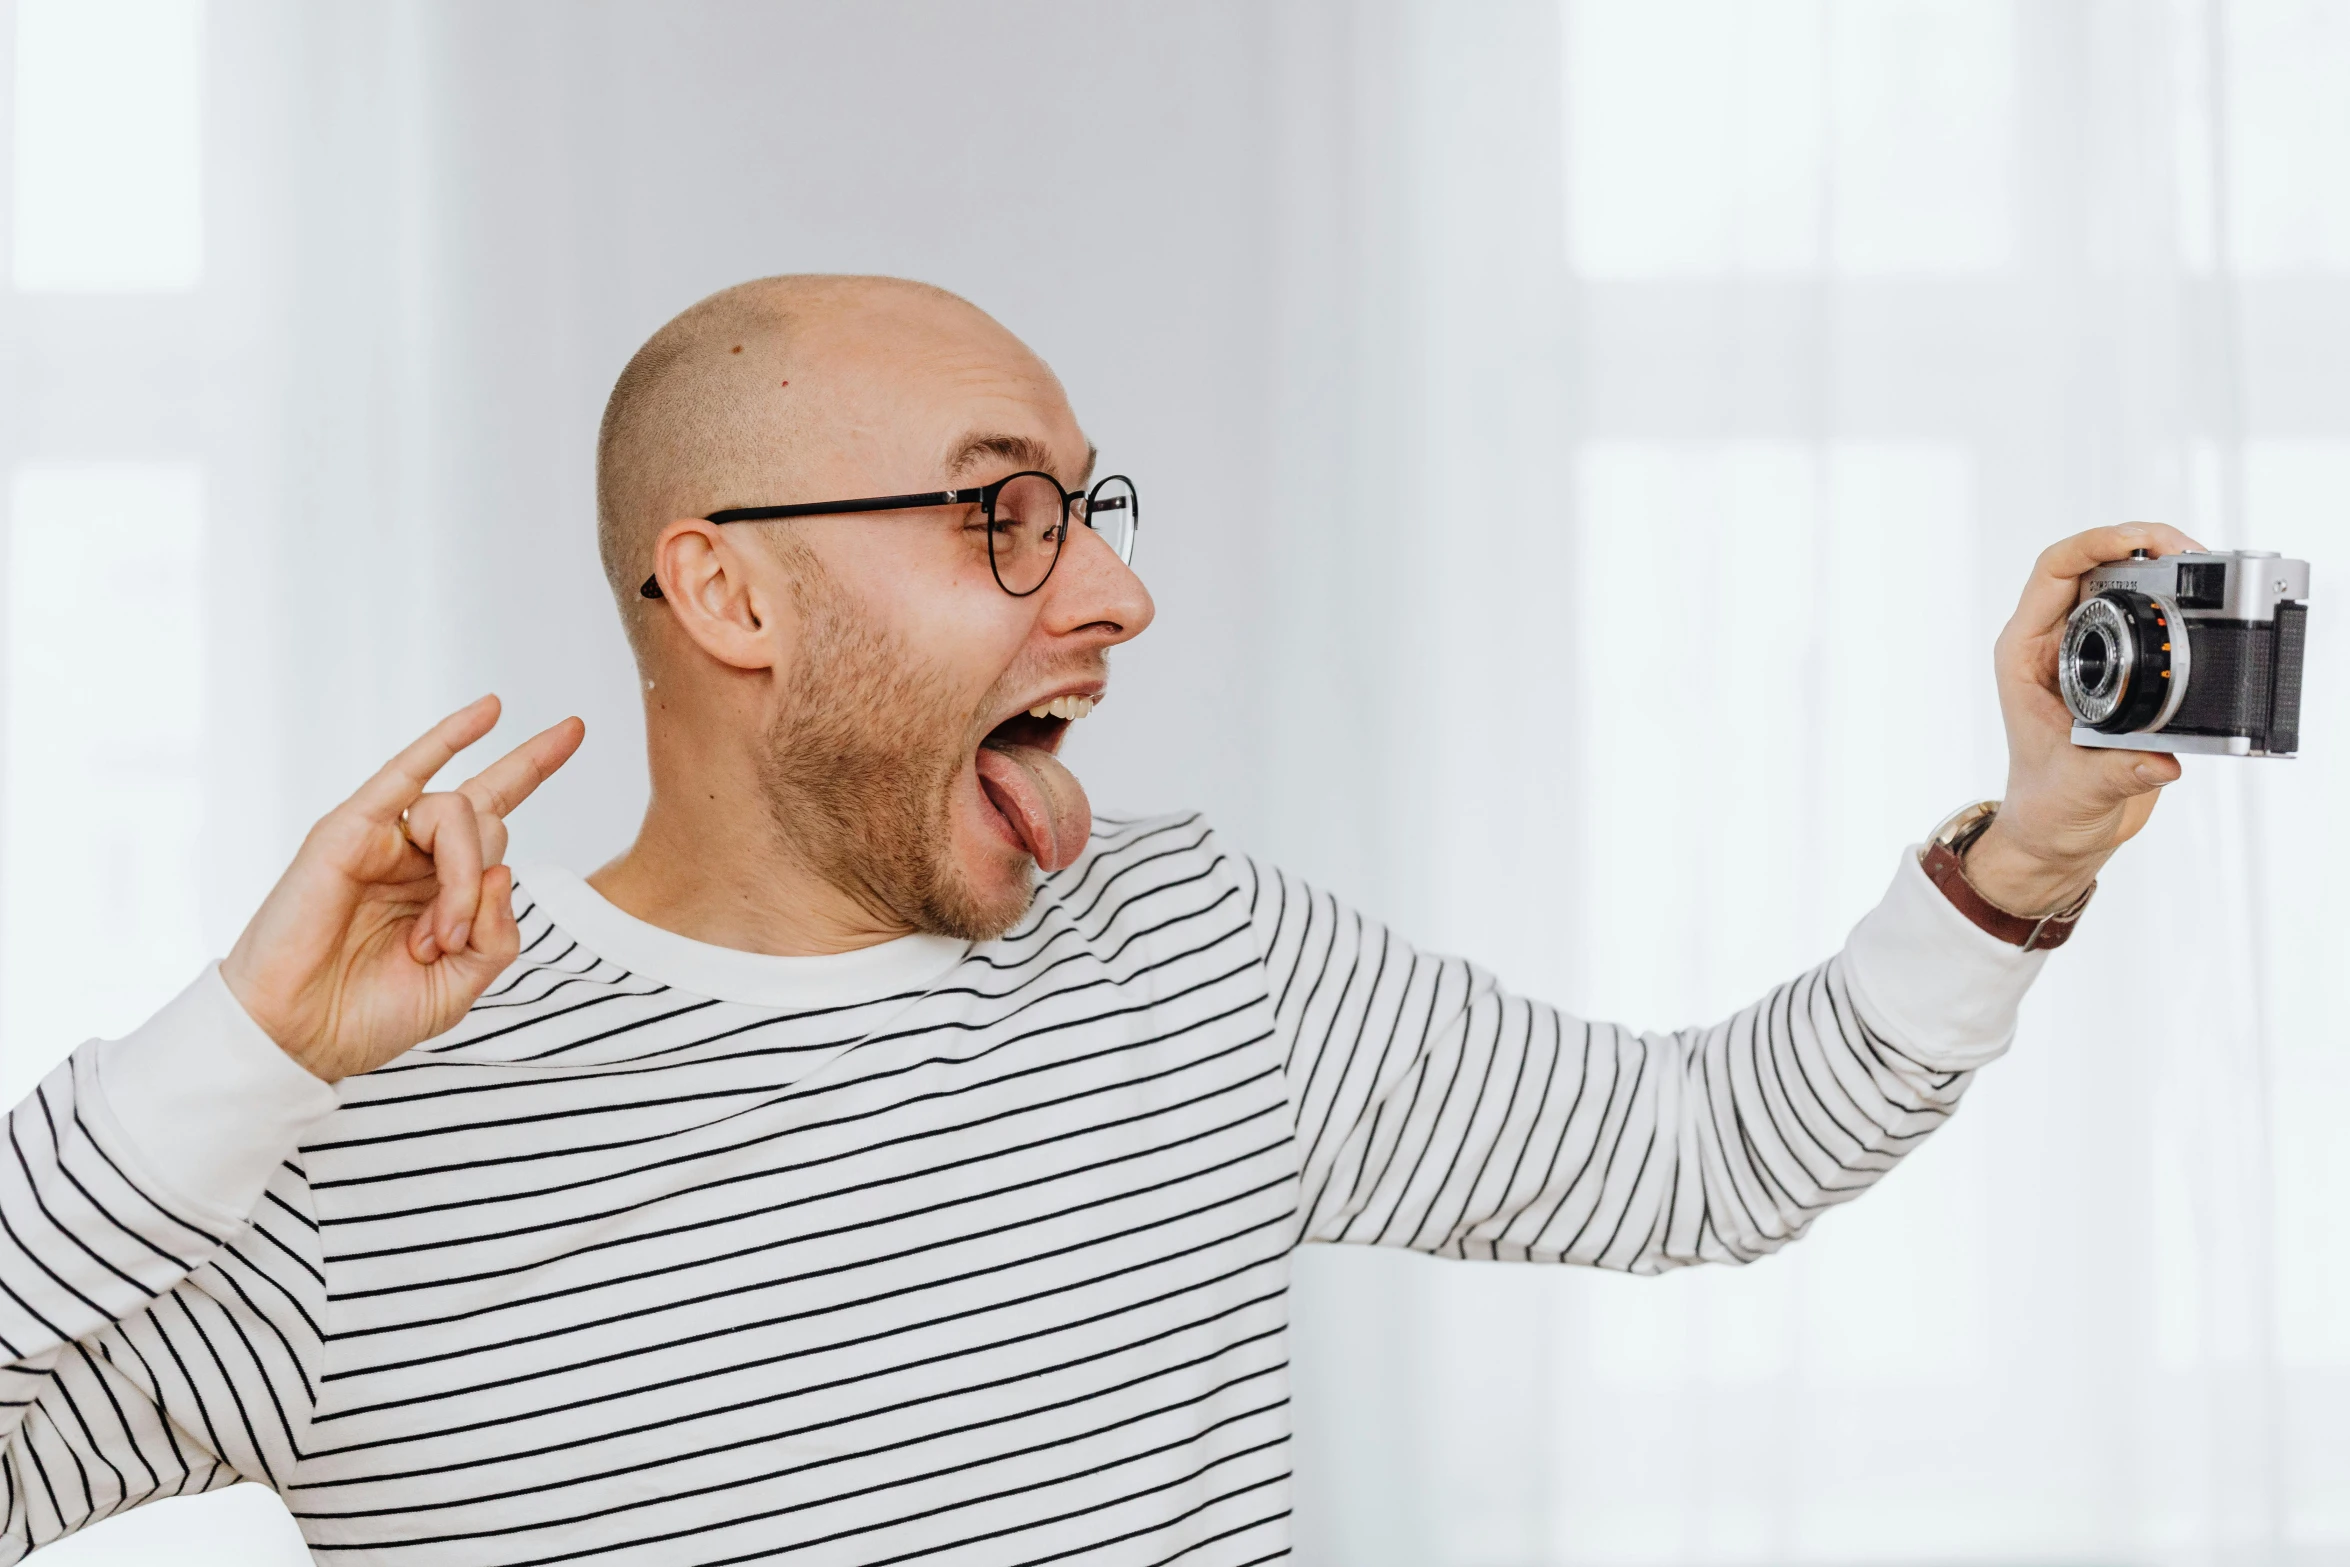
x=2195, y=653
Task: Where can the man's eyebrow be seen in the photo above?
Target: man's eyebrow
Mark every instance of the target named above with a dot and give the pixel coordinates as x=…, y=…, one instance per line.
x=1020, y=451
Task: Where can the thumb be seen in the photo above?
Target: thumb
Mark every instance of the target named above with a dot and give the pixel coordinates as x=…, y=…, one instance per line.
x=496, y=938
x=2094, y=781
x=2137, y=773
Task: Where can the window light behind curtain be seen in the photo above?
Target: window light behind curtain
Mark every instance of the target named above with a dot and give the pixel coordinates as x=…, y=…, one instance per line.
x=1841, y=311
x=102, y=804
x=103, y=788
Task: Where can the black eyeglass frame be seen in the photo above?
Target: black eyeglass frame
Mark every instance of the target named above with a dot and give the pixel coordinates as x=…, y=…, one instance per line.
x=983, y=496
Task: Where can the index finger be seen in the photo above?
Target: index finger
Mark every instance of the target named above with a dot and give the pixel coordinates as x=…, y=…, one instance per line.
x=509, y=780
x=2055, y=582
x=400, y=782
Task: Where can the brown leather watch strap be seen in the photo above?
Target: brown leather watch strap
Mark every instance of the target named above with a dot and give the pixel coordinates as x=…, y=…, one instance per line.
x=1948, y=872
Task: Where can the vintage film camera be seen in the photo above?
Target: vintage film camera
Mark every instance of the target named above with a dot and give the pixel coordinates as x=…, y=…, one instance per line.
x=2198, y=653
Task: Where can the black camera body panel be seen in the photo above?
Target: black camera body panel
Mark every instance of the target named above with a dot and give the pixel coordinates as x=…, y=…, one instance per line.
x=2247, y=681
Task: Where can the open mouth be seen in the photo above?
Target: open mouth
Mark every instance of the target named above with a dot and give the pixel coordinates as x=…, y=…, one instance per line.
x=1043, y=726
x=1041, y=803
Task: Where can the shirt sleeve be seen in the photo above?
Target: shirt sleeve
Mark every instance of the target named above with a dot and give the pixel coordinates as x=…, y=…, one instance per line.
x=1437, y=1111
x=160, y=1273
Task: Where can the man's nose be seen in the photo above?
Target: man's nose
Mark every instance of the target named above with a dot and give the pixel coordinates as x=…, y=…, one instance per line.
x=1095, y=594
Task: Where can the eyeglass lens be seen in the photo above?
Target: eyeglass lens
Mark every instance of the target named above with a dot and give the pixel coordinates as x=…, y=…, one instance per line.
x=1113, y=512
x=1024, y=539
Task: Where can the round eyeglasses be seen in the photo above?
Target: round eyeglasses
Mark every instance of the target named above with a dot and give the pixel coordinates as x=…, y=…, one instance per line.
x=1027, y=515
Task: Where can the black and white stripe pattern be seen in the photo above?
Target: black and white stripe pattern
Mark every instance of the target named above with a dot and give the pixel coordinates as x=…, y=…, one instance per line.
x=989, y=1271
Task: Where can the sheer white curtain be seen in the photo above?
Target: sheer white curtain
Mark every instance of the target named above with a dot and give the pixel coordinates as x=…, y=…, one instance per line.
x=1745, y=353
x=1588, y=452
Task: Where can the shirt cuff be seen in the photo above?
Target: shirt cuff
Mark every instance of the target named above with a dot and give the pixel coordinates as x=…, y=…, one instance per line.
x=1941, y=986
x=205, y=1105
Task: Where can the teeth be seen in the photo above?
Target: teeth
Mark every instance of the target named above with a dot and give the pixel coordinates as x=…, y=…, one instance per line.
x=1068, y=707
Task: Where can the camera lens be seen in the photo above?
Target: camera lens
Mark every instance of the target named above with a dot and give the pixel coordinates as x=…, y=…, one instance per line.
x=2096, y=661
x=2123, y=664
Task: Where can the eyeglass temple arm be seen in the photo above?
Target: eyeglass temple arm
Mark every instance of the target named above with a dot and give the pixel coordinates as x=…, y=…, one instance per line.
x=830, y=508
x=652, y=585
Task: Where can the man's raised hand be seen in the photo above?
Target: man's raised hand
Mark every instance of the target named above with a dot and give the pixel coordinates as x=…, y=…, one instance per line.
x=2067, y=807
x=397, y=912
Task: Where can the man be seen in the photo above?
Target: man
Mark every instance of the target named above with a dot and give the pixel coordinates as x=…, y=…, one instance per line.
x=818, y=1182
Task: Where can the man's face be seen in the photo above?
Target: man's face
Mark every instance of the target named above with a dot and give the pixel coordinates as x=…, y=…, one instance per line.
x=904, y=759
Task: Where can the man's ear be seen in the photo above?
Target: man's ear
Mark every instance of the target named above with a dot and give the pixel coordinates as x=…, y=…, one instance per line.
x=711, y=584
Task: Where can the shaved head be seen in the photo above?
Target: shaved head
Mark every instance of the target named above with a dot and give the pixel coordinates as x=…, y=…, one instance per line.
x=725, y=405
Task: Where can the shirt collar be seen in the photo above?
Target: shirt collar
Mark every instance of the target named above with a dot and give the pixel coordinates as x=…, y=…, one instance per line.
x=907, y=964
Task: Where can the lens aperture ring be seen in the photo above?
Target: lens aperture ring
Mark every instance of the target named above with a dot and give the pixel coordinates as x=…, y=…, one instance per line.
x=2122, y=667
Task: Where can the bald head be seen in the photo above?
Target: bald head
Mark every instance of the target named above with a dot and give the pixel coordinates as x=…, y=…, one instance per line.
x=750, y=396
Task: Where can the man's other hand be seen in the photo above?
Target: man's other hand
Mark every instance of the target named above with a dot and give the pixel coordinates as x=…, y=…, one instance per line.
x=2068, y=807
x=397, y=912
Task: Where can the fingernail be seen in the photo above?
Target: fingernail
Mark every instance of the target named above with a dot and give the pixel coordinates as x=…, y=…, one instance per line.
x=2147, y=775
x=427, y=950
x=457, y=936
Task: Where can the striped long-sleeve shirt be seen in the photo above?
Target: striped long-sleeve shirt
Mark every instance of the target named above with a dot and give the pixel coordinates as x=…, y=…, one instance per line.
x=928, y=1253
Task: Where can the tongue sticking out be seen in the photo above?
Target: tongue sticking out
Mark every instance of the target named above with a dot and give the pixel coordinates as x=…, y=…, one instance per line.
x=1042, y=800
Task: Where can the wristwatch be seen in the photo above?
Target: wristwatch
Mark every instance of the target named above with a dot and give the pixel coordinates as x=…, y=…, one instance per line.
x=1944, y=862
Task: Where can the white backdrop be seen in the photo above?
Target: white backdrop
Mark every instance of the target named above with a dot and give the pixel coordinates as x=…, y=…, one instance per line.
x=1588, y=451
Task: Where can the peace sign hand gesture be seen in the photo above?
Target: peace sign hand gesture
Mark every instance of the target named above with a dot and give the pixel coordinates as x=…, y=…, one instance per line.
x=397, y=913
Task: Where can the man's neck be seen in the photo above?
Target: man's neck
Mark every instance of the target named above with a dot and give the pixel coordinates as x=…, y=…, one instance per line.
x=706, y=873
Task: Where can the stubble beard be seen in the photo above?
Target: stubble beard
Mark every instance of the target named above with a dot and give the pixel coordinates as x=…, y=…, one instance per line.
x=860, y=770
